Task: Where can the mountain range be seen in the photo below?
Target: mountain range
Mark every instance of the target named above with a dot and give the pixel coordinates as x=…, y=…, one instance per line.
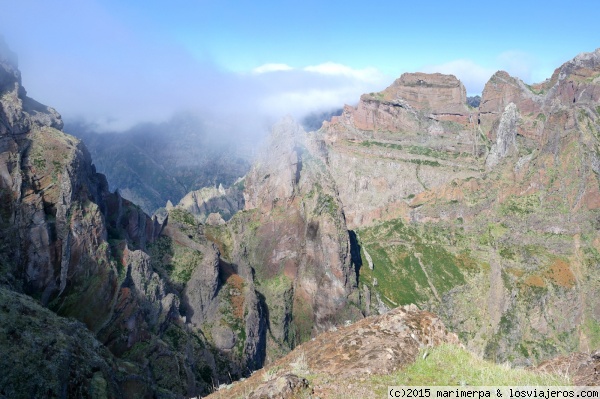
x=484, y=216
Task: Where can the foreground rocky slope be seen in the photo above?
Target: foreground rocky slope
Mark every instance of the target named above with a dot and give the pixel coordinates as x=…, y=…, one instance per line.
x=403, y=347
x=376, y=345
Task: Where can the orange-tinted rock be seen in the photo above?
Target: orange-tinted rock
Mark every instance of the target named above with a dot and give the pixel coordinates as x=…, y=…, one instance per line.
x=434, y=93
x=402, y=106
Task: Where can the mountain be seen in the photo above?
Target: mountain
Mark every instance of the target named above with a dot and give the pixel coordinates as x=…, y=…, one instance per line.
x=99, y=299
x=487, y=217
x=153, y=163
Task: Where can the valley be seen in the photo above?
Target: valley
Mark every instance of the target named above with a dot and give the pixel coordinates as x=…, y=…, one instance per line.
x=411, y=223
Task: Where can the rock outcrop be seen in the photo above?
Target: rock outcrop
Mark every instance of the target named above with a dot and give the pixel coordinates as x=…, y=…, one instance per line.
x=582, y=368
x=214, y=205
x=300, y=242
x=412, y=103
x=377, y=345
x=416, y=134
x=506, y=137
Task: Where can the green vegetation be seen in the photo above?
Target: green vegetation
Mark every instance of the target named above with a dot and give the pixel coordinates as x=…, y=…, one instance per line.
x=444, y=365
x=534, y=91
x=325, y=203
x=414, y=149
x=592, y=331
x=451, y=365
x=520, y=205
x=408, y=262
x=182, y=216
x=175, y=260
x=369, y=143
x=39, y=163
x=424, y=162
x=377, y=96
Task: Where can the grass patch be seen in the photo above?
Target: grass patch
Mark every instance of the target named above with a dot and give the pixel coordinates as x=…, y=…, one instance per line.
x=451, y=365
x=398, y=275
x=520, y=205
x=370, y=143
x=424, y=162
x=591, y=329
x=182, y=216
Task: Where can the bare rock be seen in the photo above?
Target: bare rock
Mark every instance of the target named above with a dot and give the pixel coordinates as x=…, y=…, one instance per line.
x=285, y=387
x=212, y=205
x=376, y=345
x=202, y=288
x=582, y=368
x=506, y=136
x=277, y=171
x=434, y=93
x=412, y=100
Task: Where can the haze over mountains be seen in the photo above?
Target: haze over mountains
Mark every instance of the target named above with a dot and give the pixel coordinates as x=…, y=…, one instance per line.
x=487, y=216
x=151, y=164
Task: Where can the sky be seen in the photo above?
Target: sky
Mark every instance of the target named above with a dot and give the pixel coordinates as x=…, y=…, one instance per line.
x=115, y=63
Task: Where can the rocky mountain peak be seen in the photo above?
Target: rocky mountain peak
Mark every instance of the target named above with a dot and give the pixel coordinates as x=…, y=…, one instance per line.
x=9, y=72
x=433, y=92
x=412, y=100
x=17, y=111
x=583, y=61
x=277, y=170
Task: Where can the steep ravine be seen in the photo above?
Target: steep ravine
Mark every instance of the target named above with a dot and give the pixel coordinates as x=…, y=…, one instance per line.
x=487, y=216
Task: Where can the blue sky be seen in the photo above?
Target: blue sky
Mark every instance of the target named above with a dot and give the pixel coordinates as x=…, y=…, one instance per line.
x=117, y=62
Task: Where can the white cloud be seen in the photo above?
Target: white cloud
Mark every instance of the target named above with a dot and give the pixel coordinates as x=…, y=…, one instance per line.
x=331, y=68
x=266, y=68
x=298, y=91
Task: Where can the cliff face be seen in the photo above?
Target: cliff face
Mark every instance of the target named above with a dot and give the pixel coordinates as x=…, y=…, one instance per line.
x=390, y=148
x=411, y=103
x=293, y=236
x=88, y=254
x=488, y=219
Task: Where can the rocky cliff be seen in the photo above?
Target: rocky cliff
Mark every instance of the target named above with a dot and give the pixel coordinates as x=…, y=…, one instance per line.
x=292, y=236
x=486, y=217
x=158, y=312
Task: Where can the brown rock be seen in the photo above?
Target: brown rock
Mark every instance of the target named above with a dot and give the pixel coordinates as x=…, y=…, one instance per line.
x=376, y=345
x=404, y=105
x=285, y=387
x=430, y=93
x=583, y=368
